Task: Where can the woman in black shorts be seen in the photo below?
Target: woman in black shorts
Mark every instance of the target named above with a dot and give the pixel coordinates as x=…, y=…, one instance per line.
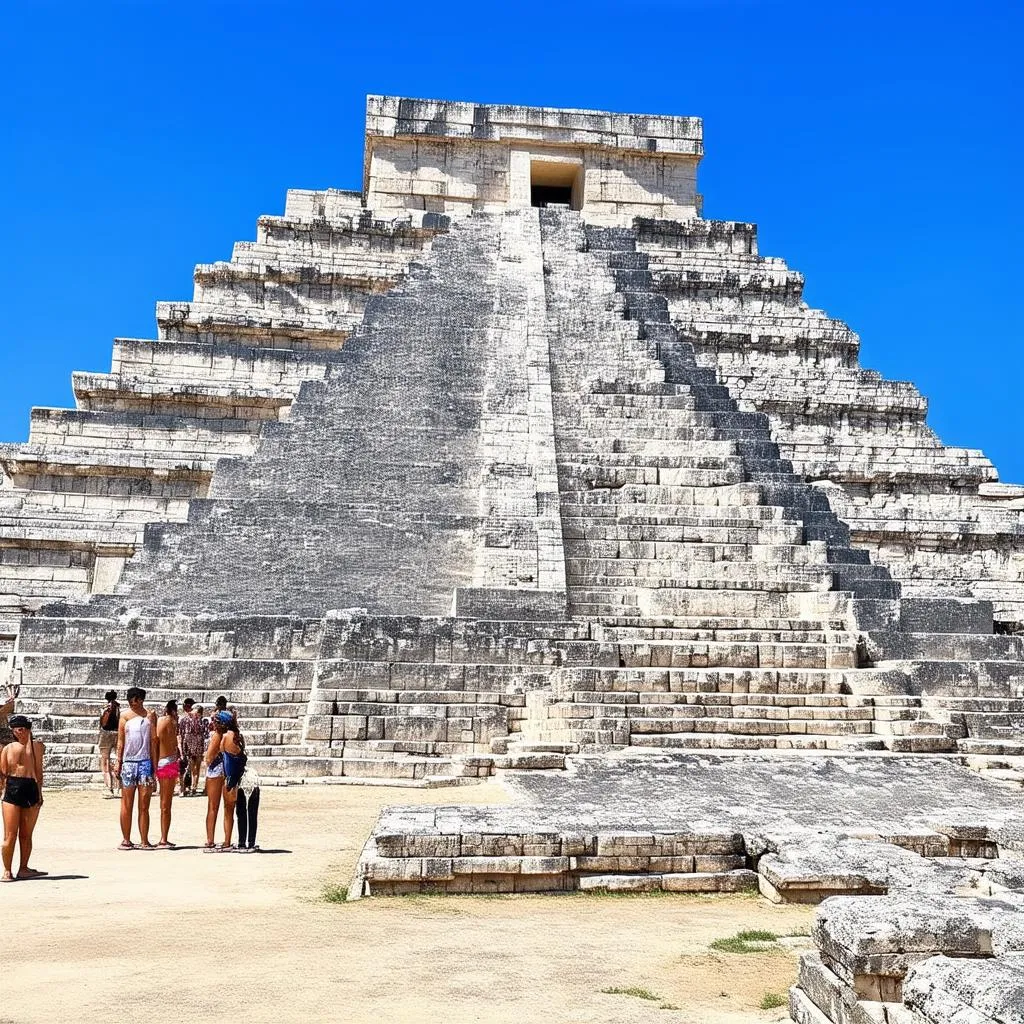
x=21, y=773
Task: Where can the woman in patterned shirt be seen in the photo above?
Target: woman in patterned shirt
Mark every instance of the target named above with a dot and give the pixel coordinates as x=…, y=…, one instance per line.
x=191, y=743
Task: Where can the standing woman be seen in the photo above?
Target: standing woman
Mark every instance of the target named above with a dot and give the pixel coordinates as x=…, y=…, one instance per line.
x=109, y=717
x=247, y=810
x=214, y=782
x=21, y=771
x=232, y=748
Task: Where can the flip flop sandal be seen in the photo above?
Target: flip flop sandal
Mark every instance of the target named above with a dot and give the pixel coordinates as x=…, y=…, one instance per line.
x=126, y=845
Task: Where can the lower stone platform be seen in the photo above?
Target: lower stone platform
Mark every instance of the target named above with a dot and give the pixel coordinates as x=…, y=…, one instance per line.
x=918, y=863
x=798, y=828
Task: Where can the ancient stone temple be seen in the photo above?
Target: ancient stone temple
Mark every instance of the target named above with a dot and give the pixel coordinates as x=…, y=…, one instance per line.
x=512, y=458
x=508, y=456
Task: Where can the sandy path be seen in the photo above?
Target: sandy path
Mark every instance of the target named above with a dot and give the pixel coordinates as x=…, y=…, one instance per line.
x=252, y=939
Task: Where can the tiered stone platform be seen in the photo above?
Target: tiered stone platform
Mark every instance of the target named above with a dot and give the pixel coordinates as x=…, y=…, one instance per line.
x=513, y=462
x=643, y=566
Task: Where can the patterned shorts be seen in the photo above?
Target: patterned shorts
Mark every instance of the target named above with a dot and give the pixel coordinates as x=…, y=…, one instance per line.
x=137, y=773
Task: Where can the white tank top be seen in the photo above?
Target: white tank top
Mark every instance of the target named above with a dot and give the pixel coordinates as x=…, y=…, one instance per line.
x=138, y=734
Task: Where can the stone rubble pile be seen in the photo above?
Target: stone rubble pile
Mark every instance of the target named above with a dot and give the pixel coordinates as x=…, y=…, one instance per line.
x=914, y=959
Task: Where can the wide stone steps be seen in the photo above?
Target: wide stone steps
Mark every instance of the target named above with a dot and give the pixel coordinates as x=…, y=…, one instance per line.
x=276, y=254
x=286, y=330
x=783, y=578
x=908, y=646
x=263, y=267
x=195, y=437
x=715, y=680
x=622, y=605
x=725, y=705
x=649, y=455
x=597, y=475
x=45, y=460
x=702, y=628
x=228, y=364
x=734, y=741
x=581, y=552
x=628, y=506
x=751, y=653
x=623, y=533
x=112, y=392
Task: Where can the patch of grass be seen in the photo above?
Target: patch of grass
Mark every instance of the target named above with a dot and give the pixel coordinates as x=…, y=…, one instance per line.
x=771, y=1001
x=669, y=1006
x=753, y=940
x=634, y=991
x=733, y=945
x=335, y=894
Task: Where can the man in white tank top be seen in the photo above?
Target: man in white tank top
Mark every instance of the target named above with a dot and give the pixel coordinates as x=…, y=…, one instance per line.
x=136, y=754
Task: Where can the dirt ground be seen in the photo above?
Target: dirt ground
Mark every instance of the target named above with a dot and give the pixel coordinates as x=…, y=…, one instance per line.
x=183, y=935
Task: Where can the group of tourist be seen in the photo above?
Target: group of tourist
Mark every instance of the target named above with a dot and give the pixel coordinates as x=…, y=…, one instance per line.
x=140, y=752
x=164, y=752
x=194, y=730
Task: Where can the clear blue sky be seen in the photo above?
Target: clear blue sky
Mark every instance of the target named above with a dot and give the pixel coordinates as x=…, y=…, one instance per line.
x=878, y=145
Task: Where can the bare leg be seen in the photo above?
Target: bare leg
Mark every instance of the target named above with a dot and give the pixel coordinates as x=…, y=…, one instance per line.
x=105, y=768
x=230, y=796
x=213, y=792
x=166, y=796
x=28, y=825
x=145, y=795
x=195, y=766
x=127, y=805
x=12, y=825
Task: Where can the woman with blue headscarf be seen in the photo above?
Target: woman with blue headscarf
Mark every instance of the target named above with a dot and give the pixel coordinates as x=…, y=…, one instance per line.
x=232, y=749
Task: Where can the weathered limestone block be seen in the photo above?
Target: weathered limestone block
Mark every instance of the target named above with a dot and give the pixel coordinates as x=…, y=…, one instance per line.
x=942, y=990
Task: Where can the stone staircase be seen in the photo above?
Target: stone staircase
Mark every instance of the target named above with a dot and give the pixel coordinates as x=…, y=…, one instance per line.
x=517, y=434
x=935, y=515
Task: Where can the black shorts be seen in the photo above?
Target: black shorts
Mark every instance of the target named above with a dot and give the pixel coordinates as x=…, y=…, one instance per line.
x=21, y=792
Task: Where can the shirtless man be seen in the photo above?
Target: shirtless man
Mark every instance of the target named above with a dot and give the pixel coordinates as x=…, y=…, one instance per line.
x=136, y=755
x=167, y=766
x=21, y=772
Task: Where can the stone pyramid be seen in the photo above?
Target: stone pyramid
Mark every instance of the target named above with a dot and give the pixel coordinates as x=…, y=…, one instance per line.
x=509, y=456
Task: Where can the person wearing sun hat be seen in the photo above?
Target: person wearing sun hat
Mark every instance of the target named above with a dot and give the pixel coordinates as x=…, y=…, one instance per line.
x=21, y=774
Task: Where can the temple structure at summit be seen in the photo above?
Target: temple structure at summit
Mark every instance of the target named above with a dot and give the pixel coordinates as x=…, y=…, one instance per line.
x=511, y=451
